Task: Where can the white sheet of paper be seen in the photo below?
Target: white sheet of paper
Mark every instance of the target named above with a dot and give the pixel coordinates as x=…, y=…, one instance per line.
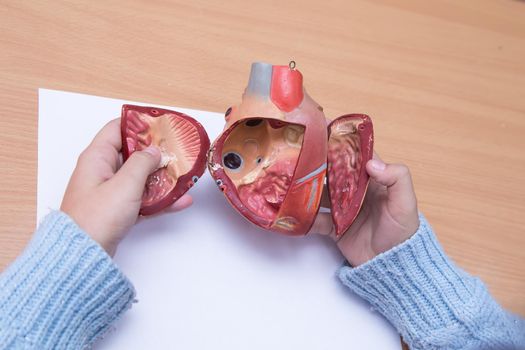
x=206, y=278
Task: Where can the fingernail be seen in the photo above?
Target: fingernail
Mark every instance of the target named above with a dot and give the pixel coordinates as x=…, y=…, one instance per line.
x=154, y=151
x=377, y=165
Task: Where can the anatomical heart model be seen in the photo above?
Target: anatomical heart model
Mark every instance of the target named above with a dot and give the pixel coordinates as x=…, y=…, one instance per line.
x=270, y=161
x=183, y=143
x=276, y=149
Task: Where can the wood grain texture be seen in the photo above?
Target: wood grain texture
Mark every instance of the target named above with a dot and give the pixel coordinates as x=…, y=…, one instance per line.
x=444, y=82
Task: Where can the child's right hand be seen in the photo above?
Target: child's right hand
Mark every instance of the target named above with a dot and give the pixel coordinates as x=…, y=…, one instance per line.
x=388, y=217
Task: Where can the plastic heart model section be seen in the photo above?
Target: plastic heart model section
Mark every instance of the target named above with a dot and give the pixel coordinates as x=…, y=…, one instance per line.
x=271, y=159
x=183, y=143
x=350, y=146
x=259, y=157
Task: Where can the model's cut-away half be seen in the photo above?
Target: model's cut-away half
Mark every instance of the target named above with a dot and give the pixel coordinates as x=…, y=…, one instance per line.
x=183, y=144
x=270, y=161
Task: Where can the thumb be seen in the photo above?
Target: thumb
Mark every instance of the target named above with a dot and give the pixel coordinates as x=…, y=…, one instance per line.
x=396, y=178
x=131, y=177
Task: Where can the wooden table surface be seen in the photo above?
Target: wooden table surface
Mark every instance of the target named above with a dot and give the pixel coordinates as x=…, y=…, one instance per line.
x=444, y=82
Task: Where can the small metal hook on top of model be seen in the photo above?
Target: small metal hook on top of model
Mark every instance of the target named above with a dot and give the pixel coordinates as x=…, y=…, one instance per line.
x=276, y=149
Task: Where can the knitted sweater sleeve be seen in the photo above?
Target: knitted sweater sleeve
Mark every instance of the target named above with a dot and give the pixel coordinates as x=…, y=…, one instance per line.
x=63, y=292
x=432, y=303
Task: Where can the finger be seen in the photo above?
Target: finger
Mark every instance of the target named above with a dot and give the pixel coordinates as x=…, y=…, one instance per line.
x=109, y=135
x=102, y=154
x=396, y=178
x=182, y=203
x=120, y=161
x=100, y=160
x=323, y=225
x=373, y=186
x=131, y=177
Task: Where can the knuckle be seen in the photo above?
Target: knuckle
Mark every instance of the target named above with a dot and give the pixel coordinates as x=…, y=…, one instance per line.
x=91, y=154
x=84, y=156
x=112, y=122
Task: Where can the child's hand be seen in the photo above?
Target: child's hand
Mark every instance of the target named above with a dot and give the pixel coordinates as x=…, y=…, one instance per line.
x=388, y=217
x=105, y=200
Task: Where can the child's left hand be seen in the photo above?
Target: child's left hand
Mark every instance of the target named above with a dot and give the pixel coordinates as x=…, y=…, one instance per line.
x=103, y=196
x=389, y=215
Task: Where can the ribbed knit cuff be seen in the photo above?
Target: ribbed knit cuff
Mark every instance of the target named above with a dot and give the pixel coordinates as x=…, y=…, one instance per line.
x=62, y=292
x=431, y=302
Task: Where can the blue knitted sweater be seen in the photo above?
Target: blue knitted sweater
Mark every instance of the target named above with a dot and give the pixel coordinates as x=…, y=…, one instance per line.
x=64, y=292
